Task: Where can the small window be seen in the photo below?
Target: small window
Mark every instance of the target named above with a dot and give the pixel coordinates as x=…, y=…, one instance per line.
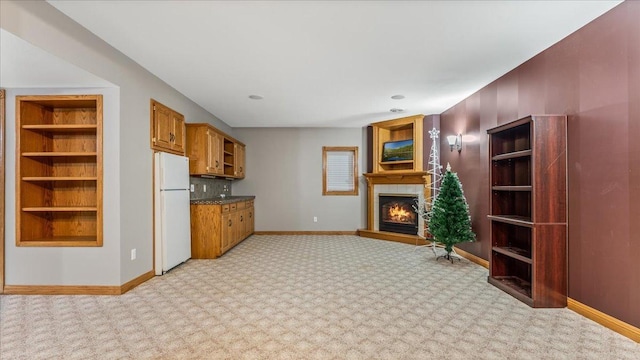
x=340, y=170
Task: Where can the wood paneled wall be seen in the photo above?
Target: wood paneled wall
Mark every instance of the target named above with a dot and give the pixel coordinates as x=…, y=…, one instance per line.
x=593, y=76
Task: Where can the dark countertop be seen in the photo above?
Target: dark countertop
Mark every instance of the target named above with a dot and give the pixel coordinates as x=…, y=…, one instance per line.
x=219, y=201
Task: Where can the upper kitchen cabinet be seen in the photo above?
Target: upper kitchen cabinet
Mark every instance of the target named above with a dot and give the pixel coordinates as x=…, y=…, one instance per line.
x=239, y=160
x=204, y=149
x=212, y=152
x=167, y=129
x=59, y=170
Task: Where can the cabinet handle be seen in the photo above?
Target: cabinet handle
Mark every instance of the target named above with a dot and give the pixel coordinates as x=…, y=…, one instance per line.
x=241, y=219
x=229, y=222
x=217, y=164
x=240, y=168
x=250, y=215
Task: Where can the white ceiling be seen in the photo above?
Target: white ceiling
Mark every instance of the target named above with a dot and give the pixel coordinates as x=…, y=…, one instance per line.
x=329, y=63
x=23, y=65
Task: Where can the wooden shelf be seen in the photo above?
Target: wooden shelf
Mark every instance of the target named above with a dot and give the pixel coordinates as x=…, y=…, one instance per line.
x=59, y=154
x=62, y=241
x=512, y=155
x=59, y=178
x=517, y=287
x=60, y=209
x=63, y=128
x=516, y=253
x=512, y=188
x=396, y=162
x=512, y=219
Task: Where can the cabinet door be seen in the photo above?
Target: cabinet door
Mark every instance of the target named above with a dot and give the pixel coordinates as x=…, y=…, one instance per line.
x=228, y=232
x=177, y=133
x=239, y=160
x=214, y=152
x=167, y=129
x=251, y=220
x=162, y=126
x=242, y=215
x=248, y=219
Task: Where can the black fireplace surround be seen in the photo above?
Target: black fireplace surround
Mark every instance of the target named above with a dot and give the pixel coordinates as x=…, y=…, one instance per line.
x=396, y=213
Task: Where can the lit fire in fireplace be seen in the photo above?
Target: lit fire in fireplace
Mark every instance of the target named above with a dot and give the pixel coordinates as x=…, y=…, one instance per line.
x=396, y=213
x=399, y=214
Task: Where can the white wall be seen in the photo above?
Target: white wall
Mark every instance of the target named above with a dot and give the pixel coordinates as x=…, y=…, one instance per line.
x=284, y=172
x=45, y=27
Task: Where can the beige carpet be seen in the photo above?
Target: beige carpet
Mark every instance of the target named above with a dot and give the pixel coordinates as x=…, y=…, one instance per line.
x=305, y=297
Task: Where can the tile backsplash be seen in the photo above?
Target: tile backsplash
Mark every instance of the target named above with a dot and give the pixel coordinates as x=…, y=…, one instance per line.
x=215, y=187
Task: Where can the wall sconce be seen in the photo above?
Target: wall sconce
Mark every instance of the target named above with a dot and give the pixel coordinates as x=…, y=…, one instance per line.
x=455, y=141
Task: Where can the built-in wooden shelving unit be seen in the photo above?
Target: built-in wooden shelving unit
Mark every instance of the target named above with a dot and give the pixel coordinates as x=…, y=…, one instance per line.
x=59, y=170
x=407, y=128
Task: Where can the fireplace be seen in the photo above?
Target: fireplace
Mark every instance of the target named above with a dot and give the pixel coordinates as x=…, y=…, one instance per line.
x=396, y=213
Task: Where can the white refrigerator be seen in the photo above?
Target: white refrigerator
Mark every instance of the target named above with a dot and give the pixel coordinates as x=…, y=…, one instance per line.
x=172, y=219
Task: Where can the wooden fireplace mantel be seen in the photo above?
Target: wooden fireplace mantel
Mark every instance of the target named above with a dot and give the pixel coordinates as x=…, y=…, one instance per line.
x=397, y=177
x=391, y=178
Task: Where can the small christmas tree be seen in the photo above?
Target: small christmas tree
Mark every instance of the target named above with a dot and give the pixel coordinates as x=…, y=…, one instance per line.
x=450, y=222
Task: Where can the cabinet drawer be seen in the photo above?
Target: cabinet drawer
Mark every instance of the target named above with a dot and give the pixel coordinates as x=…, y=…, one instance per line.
x=249, y=204
x=226, y=208
x=233, y=207
x=241, y=205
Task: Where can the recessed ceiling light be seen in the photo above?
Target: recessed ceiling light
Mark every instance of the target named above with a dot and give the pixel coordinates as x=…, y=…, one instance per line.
x=396, y=110
x=255, y=97
x=397, y=97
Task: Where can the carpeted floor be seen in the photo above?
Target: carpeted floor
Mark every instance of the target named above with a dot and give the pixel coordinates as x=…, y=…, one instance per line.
x=305, y=297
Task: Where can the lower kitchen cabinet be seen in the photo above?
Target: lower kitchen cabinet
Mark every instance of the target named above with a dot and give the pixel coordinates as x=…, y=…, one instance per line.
x=216, y=228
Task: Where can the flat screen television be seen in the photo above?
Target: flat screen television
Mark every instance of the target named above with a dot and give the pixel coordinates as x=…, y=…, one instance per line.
x=397, y=150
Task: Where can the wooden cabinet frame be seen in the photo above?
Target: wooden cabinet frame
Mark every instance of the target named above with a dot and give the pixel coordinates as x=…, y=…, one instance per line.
x=59, y=170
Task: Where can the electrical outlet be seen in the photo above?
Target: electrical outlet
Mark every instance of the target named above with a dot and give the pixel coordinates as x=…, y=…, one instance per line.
x=204, y=187
x=315, y=219
x=193, y=188
x=133, y=254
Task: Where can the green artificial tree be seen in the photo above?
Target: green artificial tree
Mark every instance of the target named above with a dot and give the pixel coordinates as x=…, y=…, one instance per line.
x=449, y=220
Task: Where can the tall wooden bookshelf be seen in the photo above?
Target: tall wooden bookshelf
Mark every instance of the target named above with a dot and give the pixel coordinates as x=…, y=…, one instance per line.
x=529, y=209
x=59, y=170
